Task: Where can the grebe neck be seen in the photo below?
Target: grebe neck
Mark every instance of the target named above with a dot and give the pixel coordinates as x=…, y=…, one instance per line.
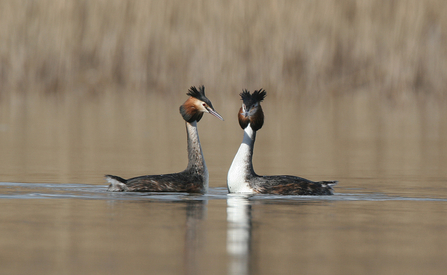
x=246, y=148
x=196, y=161
x=242, y=167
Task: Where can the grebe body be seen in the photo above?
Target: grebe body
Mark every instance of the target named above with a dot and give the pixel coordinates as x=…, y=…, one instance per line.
x=195, y=178
x=241, y=176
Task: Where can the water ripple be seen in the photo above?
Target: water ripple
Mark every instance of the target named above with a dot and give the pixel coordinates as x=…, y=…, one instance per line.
x=13, y=190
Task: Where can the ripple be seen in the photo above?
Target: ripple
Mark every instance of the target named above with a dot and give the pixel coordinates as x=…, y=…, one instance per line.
x=13, y=190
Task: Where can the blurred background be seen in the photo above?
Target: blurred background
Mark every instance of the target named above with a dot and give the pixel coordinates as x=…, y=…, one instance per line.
x=93, y=87
x=294, y=48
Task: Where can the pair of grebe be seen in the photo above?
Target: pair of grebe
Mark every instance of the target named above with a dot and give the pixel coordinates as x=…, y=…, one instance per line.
x=241, y=176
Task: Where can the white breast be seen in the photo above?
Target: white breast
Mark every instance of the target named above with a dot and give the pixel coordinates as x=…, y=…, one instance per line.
x=241, y=165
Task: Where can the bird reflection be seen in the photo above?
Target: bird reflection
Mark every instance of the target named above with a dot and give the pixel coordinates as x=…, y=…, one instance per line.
x=239, y=234
x=188, y=213
x=195, y=213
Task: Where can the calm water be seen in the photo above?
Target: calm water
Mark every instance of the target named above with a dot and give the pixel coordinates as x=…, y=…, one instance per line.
x=387, y=216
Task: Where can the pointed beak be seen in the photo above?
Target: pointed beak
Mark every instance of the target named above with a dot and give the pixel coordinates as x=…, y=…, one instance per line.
x=214, y=113
x=244, y=111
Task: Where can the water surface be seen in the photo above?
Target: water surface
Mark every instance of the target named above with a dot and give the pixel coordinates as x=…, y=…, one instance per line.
x=387, y=215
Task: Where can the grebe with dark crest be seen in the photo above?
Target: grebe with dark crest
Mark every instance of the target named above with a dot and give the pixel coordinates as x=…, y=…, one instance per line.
x=194, y=179
x=242, y=178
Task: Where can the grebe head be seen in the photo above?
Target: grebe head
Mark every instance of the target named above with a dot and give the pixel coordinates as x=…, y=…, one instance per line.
x=251, y=110
x=197, y=104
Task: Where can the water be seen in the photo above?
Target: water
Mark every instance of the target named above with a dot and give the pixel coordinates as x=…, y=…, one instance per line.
x=387, y=215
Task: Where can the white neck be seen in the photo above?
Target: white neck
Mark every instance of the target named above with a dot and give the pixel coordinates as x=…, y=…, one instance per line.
x=242, y=167
x=196, y=161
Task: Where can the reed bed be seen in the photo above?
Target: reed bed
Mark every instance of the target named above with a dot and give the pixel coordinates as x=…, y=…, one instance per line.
x=316, y=48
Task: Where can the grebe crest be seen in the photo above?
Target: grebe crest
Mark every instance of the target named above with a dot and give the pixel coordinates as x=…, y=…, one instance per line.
x=195, y=178
x=241, y=177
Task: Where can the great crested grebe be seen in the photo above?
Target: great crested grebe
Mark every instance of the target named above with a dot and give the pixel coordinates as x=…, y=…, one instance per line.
x=241, y=176
x=194, y=179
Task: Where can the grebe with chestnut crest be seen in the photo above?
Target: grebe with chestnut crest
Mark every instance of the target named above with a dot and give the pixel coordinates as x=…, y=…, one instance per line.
x=242, y=178
x=195, y=178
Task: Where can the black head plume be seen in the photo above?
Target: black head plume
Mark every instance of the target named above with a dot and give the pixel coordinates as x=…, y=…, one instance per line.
x=199, y=94
x=250, y=99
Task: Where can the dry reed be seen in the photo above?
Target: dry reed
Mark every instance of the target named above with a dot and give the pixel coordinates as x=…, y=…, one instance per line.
x=388, y=48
